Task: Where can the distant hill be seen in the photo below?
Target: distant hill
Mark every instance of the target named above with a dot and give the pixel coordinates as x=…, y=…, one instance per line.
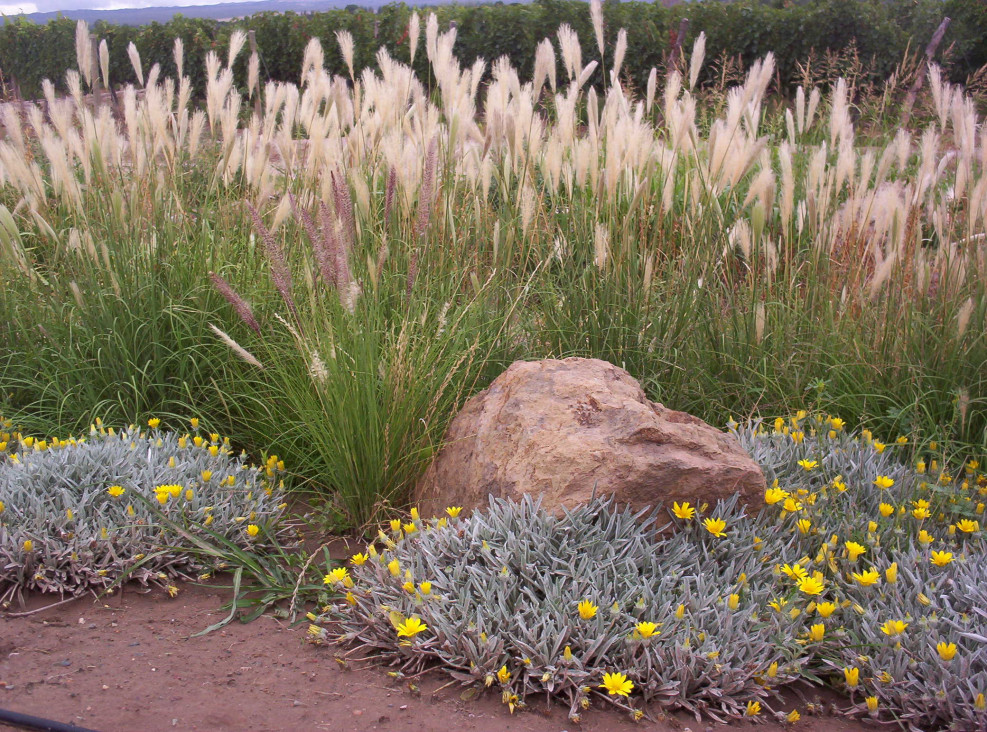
x=221, y=11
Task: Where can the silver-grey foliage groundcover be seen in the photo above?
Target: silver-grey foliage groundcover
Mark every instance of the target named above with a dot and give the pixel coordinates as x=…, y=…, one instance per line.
x=499, y=595
x=76, y=514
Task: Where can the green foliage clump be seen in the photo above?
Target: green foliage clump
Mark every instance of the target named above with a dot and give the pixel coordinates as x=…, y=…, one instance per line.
x=82, y=513
x=862, y=572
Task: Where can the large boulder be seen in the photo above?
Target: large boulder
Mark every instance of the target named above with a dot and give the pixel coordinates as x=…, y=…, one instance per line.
x=560, y=429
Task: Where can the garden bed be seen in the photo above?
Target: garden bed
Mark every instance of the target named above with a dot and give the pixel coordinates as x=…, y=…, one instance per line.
x=738, y=251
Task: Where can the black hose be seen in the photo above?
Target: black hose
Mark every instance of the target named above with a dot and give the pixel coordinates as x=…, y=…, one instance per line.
x=26, y=721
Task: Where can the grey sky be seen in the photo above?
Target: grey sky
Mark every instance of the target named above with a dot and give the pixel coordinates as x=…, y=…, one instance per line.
x=47, y=6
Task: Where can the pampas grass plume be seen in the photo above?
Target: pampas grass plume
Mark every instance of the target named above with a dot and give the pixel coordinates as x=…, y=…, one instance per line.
x=84, y=51
x=135, y=61
x=596, y=15
x=104, y=62
x=345, y=40
x=414, y=31
x=696, y=61
x=618, y=55
x=313, y=61
x=544, y=67
x=571, y=51
x=237, y=40
x=253, y=75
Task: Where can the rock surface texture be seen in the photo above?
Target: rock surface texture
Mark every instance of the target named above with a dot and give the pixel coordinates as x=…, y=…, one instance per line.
x=560, y=428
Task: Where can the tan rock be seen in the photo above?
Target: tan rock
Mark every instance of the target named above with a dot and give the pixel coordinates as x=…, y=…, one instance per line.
x=562, y=428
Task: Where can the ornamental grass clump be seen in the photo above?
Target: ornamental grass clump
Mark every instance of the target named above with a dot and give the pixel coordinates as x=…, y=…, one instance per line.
x=732, y=247
x=714, y=613
x=83, y=513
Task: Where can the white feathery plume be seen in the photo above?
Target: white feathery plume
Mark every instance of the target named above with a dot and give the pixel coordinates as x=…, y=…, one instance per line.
x=903, y=147
x=153, y=74
x=800, y=109
x=345, y=40
x=618, y=55
x=237, y=40
x=74, y=83
x=431, y=36
x=544, y=67
x=560, y=248
x=571, y=50
x=882, y=272
x=810, y=115
x=195, y=131
x=14, y=128
x=104, y=62
x=48, y=90
x=652, y=88
x=528, y=204
x=839, y=115
x=135, y=61
x=596, y=15
x=281, y=214
x=178, y=52
x=846, y=164
x=940, y=93
x=313, y=61
x=253, y=75
x=740, y=237
x=84, y=51
x=673, y=85
x=587, y=72
x=414, y=31
x=884, y=166
x=762, y=189
x=696, y=61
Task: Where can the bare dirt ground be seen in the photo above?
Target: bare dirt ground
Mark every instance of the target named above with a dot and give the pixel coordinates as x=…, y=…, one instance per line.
x=127, y=663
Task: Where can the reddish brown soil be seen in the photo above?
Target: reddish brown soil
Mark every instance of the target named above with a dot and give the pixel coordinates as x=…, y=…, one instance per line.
x=126, y=663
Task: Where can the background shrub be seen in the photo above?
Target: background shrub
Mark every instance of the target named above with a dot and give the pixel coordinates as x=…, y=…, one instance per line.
x=879, y=31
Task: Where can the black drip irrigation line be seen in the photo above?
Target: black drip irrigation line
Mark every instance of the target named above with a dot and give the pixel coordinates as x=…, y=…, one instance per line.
x=26, y=721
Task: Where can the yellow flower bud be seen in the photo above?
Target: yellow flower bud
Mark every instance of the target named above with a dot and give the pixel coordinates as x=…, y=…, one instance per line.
x=891, y=573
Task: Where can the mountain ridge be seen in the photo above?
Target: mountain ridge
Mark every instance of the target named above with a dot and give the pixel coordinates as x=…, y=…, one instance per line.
x=219, y=11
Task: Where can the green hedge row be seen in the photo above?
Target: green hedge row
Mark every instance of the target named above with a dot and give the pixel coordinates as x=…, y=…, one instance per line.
x=881, y=29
